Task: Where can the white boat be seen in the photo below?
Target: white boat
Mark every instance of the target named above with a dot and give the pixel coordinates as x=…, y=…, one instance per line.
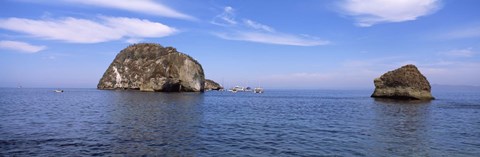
x=237, y=89
x=258, y=90
x=58, y=91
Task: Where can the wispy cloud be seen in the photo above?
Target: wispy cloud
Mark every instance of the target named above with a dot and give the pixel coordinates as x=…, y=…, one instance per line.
x=360, y=73
x=449, y=71
x=76, y=30
x=371, y=12
x=49, y=58
x=253, y=31
x=453, y=73
x=142, y=6
x=226, y=18
x=472, y=31
x=348, y=74
x=468, y=52
x=21, y=46
x=273, y=38
x=342, y=78
x=133, y=40
x=258, y=26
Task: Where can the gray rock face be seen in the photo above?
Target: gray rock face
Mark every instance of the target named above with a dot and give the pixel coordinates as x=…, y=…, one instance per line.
x=151, y=67
x=212, y=85
x=404, y=83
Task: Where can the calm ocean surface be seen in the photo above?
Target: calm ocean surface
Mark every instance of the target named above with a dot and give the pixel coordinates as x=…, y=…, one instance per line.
x=39, y=122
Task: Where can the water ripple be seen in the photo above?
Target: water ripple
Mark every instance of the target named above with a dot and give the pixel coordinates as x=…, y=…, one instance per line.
x=89, y=122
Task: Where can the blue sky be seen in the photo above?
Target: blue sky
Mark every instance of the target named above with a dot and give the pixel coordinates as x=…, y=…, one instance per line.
x=306, y=44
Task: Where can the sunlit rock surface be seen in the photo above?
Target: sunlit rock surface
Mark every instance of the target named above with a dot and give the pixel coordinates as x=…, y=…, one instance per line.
x=151, y=67
x=404, y=83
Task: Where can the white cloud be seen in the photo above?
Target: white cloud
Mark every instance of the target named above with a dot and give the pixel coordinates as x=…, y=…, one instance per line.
x=259, y=26
x=226, y=18
x=21, y=46
x=468, y=52
x=273, y=38
x=371, y=12
x=87, y=31
x=253, y=31
x=142, y=6
x=133, y=27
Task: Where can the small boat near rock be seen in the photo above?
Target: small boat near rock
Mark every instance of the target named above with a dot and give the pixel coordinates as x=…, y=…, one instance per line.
x=258, y=90
x=245, y=89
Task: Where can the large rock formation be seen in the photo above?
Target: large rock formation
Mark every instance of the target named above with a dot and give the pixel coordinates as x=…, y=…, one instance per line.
x=212, y=85
x=403, y=83
x=151, y=67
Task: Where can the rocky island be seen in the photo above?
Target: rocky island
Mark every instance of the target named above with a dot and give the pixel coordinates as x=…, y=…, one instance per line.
x=212, y=85
x=403, y=83
x=151, y=67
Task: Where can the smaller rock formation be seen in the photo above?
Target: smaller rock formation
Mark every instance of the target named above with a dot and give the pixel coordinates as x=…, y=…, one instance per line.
x=404, y=83
x=212, y=85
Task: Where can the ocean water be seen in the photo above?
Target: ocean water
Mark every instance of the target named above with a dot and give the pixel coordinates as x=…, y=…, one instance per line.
x=90, y=122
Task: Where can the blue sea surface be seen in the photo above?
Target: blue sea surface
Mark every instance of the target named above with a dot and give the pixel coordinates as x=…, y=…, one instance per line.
x=90, y=122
